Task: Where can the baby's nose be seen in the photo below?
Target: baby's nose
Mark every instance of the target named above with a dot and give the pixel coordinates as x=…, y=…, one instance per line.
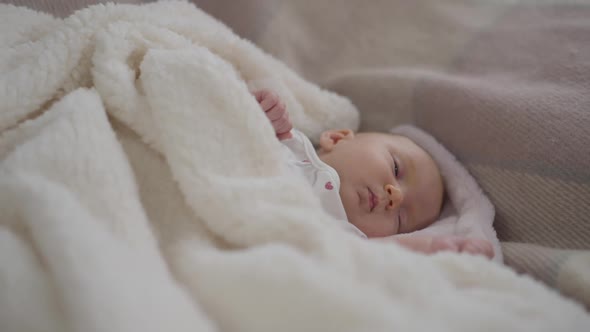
x=394, y=195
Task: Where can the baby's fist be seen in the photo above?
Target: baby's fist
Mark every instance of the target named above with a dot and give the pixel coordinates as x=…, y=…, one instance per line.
x=276, y=112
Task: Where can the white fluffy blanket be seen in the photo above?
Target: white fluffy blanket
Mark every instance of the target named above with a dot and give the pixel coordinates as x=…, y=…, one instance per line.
x=141, y=189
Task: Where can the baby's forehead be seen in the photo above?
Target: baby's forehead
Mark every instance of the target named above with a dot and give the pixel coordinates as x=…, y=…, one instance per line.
x=403, y=144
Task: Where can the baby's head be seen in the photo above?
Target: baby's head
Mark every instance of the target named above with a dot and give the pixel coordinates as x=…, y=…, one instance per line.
x=388, y=184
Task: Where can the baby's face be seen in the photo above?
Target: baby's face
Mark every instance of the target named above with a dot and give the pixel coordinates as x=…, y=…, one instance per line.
x=388, y=184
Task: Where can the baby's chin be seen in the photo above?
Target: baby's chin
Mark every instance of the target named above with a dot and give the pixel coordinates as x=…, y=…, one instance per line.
x=359, y=216
x=355, y=220
x=372, y=226
x=362, y=226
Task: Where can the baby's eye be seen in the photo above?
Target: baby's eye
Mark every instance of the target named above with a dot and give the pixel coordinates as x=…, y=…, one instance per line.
x=395, y=168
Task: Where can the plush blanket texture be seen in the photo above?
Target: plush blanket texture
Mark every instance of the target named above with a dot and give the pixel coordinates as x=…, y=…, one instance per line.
x=141, y=189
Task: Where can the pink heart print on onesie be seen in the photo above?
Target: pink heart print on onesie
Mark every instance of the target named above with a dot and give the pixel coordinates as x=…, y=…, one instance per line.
x=329, y=185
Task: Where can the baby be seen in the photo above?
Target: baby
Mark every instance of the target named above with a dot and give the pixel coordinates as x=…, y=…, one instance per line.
x=380, y=184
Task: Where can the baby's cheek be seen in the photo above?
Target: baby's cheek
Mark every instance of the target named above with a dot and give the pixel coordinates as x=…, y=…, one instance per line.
x=348, y=201
x=377, y=226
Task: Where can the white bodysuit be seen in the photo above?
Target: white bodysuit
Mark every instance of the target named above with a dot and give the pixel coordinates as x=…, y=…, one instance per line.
x=303, y=159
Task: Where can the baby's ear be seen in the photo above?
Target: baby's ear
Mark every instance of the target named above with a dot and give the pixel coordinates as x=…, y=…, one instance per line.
x=330, y=138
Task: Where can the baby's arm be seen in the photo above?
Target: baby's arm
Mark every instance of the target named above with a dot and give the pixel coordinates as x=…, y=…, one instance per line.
x=433, y=244
x=276, y=112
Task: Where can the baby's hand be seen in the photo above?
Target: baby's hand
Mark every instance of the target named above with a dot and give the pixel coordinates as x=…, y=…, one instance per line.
x=462, y=245
x=276, y=112
x=432, y=244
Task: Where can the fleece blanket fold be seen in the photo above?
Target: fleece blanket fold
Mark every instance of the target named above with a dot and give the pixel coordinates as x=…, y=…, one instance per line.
x=142, y=189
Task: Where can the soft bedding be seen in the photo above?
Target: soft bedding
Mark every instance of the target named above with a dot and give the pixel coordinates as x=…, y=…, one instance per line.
x=502, y=84
x=142, y=190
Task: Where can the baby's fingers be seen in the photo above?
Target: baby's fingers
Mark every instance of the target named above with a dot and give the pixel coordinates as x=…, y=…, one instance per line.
x=259, y=94
x=444, y=243
x=478, y=247
x=282, y=125
x=276, y=112
x=268, y=100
